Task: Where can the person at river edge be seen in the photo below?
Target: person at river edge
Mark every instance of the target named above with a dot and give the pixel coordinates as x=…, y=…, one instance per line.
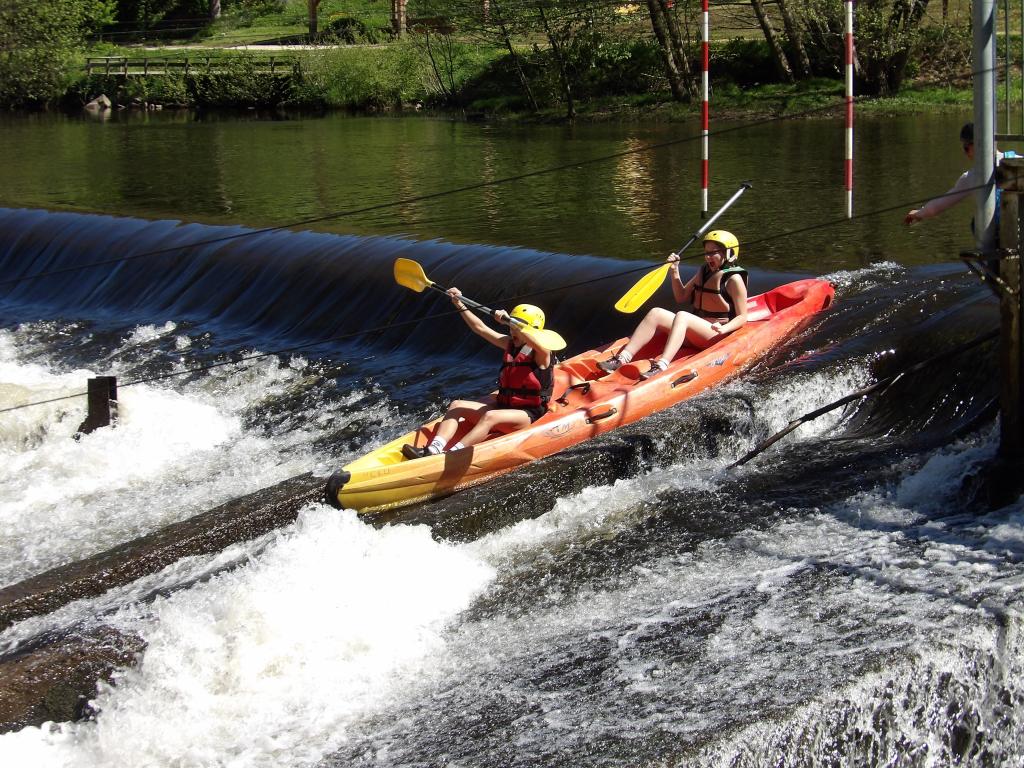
x=961, y=190
x=718, y=294
x=524, y=385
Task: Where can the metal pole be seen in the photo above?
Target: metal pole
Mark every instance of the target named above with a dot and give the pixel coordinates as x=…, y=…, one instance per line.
x=983, y=17
x=1006, y=64
x=848, y=169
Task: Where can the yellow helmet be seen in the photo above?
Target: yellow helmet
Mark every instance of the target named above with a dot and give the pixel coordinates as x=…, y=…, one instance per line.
x=529, y=314
x=727, y=240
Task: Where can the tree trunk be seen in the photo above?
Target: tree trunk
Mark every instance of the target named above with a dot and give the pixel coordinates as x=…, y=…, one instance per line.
x=214, y=9
x=796, y=39
x=675, y=36
x=781, y=62
x=660, y=32
x=500, y=21
x=563, y=72
x=313, y=5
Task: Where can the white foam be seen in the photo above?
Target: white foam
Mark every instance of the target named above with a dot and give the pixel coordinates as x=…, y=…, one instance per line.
x=146, y=333
x=172, y=454
x=267, y=664
x=881, y=272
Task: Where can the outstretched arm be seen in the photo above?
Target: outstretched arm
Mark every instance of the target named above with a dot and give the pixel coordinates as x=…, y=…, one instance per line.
x=959, y=191
x=476, y=325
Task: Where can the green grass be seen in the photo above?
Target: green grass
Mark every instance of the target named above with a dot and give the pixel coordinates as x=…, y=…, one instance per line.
x=399, y=72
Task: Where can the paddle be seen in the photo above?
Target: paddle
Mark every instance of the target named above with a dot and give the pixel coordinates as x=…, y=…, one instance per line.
x=410, y=274
x=645, y=287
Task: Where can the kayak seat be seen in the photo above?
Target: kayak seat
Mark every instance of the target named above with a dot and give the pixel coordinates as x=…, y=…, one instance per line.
x=581, y=370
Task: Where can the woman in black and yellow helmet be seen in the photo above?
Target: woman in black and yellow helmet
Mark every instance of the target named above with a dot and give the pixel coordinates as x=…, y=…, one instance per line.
x=524, y=385
x=718, y=293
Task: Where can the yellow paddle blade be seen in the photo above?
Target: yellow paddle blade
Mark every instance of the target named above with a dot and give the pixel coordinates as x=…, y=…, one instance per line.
x=410, y=274
x=550, y=340
x=645, y=287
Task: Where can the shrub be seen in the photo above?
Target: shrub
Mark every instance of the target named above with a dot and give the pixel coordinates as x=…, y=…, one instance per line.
x=743, y=62
x=360, y=78
x=239, y=85
x=40, y=41
x=941, y=50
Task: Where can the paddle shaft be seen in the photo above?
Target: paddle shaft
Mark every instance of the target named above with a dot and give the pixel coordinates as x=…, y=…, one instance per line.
x=707, y=225
x=474, y=304
x=485, y=310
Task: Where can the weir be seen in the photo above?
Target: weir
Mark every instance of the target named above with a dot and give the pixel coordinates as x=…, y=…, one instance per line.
x=238, y=520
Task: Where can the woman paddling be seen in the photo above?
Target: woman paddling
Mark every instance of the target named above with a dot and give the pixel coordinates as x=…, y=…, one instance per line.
x=718, y=293
x=524, y=386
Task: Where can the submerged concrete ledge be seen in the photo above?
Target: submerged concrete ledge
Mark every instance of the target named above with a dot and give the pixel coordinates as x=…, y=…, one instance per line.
x=238, y=520
x=57, y=682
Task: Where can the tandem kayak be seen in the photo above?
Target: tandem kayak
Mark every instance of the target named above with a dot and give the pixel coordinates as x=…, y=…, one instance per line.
x=585, y=403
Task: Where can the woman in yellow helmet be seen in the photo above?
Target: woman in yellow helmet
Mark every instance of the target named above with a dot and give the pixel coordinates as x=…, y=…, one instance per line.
x=718, y=293
x=524, y=385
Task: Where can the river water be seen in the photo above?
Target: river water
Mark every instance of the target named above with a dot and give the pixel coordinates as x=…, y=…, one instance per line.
x=842, y=600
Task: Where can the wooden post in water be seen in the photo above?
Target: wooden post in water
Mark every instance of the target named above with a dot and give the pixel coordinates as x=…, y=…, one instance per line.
x=1010, y=177
x=102, y=396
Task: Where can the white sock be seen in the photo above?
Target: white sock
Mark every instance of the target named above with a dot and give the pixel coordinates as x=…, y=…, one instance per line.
x=625, y=356
x=456, y=447
x=662, y=363
x=436, y=446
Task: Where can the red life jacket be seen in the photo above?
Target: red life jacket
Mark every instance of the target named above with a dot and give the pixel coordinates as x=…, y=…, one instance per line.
x=522, y=383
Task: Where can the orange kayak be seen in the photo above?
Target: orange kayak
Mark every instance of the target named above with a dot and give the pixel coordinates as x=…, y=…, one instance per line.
x=586, y=403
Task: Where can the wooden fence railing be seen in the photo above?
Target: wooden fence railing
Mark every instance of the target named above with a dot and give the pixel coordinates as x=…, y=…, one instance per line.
x=125, y=66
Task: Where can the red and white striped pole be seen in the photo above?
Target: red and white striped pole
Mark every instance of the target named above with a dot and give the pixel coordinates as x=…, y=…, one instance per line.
x=849, y=109
x=705, y=39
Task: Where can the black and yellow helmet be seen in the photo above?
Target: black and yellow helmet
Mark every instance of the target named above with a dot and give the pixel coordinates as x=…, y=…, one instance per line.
x=531, y=315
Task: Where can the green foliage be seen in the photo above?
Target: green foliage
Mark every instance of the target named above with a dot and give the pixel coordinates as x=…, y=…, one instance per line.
x=361, y=78
x=239, y=85
x=149, y=12
x=249, y=12
x=886, y=35
x=742, y=61
x=942, y=51
x=39, y=43
x=605, y=66
x=163, y=89
x=620, y=68
x=350, y=30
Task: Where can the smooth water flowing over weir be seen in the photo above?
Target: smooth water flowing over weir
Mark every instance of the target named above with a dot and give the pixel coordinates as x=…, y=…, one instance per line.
x=841, y=599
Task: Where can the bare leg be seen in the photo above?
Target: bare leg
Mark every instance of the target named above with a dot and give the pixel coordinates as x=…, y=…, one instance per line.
x=469, y=410
x=655, y=320
x=512, y=417
x=687, y=327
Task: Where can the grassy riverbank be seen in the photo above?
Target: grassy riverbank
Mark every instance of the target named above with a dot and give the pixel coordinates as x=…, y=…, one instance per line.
x=623, y=83
x=604, y=65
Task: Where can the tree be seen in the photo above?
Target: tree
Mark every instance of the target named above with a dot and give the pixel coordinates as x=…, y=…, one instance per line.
x=39, y=42
x=678, y=69
x=796, y=39
x=886, y=32
x=314, y=5
x=782, y=65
